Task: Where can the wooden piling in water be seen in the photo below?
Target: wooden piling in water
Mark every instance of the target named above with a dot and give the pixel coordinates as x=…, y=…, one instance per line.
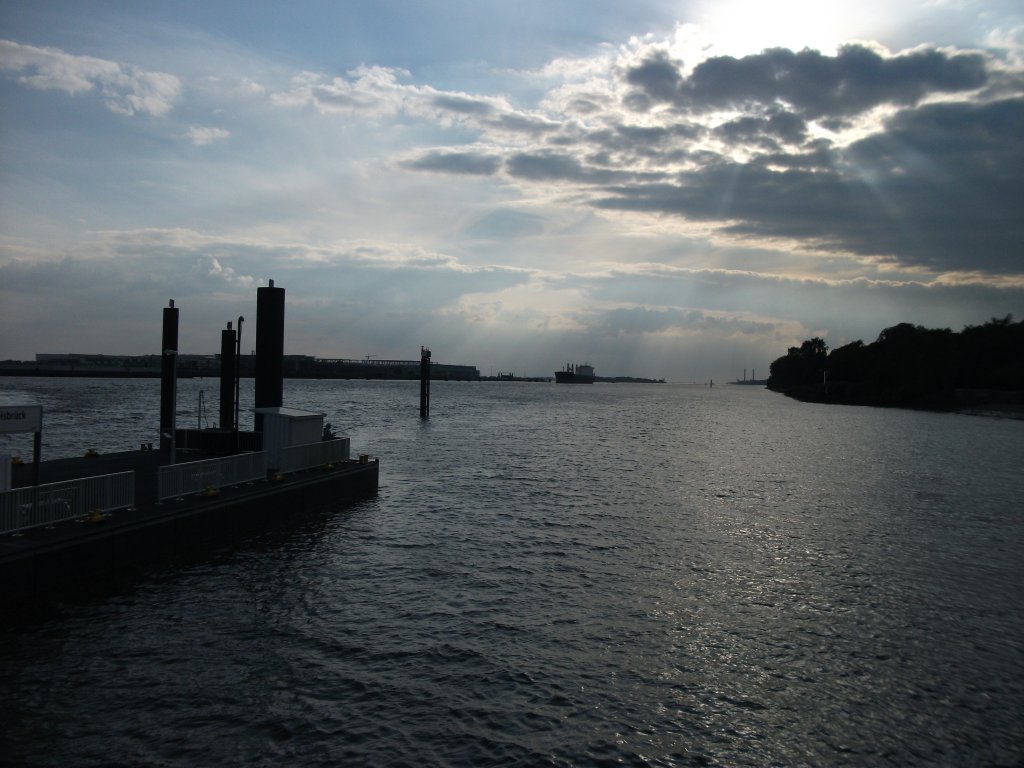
x=424, y=383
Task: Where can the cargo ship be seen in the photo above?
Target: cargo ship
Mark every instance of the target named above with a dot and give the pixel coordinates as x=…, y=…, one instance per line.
x=582, y=373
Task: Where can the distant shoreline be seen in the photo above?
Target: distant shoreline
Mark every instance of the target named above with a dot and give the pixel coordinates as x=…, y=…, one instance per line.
x=23, y=370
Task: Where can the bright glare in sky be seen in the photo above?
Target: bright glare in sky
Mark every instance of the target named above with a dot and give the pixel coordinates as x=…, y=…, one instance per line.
x=743, y=27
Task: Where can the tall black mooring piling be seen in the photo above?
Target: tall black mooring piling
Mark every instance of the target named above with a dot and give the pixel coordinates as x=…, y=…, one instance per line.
x=424, y=382
x=168, y=378
x=269, y=384
x=227, y=378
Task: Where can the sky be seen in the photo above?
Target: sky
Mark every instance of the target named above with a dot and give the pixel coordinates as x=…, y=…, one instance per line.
x=679, y=190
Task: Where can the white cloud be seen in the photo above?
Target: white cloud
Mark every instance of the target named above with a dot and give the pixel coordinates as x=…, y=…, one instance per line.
x=232, y=88
x=217, y=271
x=367, y=89
x=48, y=68
x=201, y=136
x=125, y=89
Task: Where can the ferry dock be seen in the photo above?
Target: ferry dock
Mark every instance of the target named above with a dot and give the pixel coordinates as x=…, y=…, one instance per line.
x=43, y=559
x=68, y=520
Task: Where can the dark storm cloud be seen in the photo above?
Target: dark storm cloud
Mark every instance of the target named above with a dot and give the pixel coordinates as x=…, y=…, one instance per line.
x=633, y=137
x=940, y=187
x=959, y=138
x=522, y=124
x=950, y=174
x=546, y=166
x=781, y=126
x=472, y=163
x=772, y=202
x=463, y=105
x=813, y=155
x=650, y=147
x=658, y=77
x=936, y=186
x=813, y=84
x=584, y=106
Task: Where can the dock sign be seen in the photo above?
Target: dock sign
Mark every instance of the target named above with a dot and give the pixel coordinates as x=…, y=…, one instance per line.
x=21, y=418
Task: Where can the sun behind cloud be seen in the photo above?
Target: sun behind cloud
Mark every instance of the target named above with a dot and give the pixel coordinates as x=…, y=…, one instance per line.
x=741, y=27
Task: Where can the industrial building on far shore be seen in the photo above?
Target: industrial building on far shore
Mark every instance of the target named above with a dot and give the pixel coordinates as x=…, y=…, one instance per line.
x=202, y=366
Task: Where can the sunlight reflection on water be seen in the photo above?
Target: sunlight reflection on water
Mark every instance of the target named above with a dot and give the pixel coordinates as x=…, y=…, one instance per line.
x=563, y=575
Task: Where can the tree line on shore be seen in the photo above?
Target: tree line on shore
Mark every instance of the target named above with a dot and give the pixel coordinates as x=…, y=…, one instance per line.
x=910, y=366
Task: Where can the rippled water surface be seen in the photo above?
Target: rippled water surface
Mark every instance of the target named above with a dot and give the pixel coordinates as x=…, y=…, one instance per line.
x=558, y=575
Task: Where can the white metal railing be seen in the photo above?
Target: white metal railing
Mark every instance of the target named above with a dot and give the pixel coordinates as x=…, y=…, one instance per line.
x=177, y=480
x=67, y=500
x=317, y=454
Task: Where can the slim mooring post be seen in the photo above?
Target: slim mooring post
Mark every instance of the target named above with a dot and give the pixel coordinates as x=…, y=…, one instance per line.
x=168, y=360
x=238, y=376
x=228, y=345
x=268, y=386
x=424, y=382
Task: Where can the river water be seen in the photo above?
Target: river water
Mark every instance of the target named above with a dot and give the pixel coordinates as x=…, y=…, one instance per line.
x=613, y=574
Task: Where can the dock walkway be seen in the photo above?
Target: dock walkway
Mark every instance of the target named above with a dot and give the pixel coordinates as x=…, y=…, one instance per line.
x=42, y=558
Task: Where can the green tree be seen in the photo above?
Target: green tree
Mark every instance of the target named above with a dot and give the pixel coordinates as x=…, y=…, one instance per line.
x=908, y=365
x=801, y=367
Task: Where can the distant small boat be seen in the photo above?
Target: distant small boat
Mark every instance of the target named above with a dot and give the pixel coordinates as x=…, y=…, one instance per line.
x=575, y=374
